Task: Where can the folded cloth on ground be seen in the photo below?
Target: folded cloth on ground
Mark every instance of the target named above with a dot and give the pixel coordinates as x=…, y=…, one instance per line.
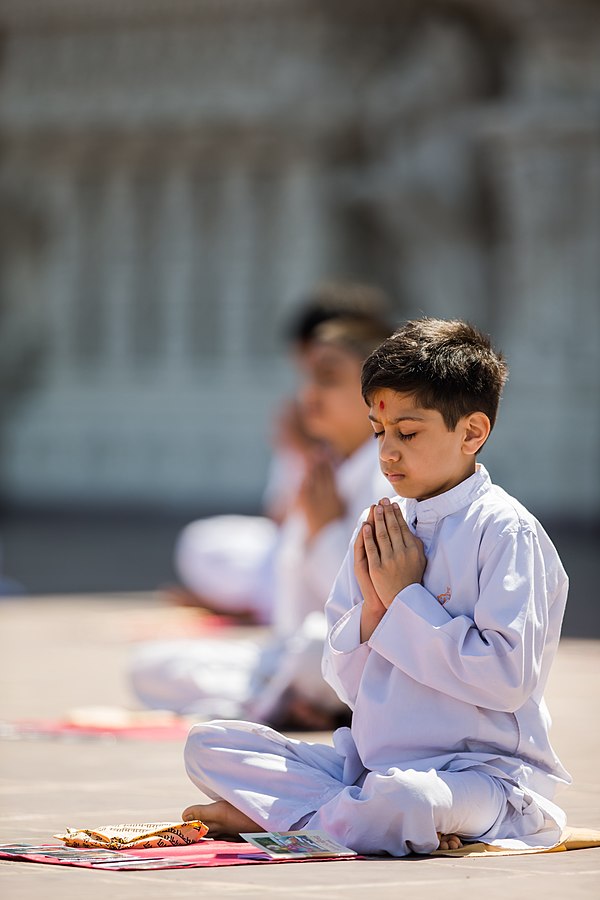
x=571, y=839
x=141, y=836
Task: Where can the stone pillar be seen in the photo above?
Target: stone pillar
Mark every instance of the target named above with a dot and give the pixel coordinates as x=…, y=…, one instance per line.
x=62, y=269
x=205, y=322
x=300, y=244
x=549, y=274
x=424, y=194
x=176, y=268
x=115, y=269
x=235, y=239
x=288, y=247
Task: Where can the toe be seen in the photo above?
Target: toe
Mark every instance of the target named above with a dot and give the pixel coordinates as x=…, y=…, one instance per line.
x=190, y=814
x=449, y=842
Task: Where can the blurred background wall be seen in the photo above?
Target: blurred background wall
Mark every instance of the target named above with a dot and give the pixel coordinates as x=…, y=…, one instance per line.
x=175, y=176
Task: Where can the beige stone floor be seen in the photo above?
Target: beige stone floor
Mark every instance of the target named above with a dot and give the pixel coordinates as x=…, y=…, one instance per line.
x=64, y=652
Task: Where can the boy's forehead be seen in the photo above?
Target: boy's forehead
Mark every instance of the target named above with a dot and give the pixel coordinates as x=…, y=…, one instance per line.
x=324, y=354
x=390, y=407
x=387, y=399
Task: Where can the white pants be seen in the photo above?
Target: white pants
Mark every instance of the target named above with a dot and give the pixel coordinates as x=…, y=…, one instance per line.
x=282, y=784
x=205, y=678
x=230, y=560
x=229, y=679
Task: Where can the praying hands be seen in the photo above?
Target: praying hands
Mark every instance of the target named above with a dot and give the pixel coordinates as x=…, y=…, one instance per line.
x=318, y=498
x=387, y=558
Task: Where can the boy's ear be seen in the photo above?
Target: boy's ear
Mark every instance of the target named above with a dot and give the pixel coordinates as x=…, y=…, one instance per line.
x=476, y=432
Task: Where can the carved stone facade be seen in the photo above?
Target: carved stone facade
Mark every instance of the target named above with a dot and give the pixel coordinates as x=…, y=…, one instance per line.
x=181, y=172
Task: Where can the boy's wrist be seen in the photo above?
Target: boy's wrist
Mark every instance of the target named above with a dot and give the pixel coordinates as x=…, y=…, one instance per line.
x=369, y=620
x=387, y=601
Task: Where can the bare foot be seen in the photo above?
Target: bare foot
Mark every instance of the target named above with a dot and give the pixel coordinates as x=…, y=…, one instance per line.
x=221, y=818
x=449, y=842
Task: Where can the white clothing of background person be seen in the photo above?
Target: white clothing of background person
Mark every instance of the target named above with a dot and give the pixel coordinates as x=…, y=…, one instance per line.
x=450, y=728
x=230, y=558
x=231, y=678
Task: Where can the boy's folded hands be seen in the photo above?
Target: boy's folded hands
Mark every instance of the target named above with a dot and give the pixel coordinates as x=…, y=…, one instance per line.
x=373, y=609
x=387, y=558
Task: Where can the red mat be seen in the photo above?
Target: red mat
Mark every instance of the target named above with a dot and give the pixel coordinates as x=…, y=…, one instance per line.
x=207, y=853
x=174, y=624
x=59, y=728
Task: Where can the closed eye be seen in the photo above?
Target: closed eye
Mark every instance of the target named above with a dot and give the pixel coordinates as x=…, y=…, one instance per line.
x=403, y=437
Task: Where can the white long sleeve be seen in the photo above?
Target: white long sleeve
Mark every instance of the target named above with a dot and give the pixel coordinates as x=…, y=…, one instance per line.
x=491, y=658
x=344, y=656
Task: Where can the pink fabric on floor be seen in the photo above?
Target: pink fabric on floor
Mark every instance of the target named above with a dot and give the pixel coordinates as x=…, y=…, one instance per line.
x=171, y=627
x=40, y=728
x=207, y=853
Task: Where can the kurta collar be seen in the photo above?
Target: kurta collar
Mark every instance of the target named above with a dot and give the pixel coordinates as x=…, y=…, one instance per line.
x=435, y=508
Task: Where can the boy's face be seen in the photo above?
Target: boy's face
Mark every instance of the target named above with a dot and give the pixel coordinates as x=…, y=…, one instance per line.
x=418, y=455
x=331, y=404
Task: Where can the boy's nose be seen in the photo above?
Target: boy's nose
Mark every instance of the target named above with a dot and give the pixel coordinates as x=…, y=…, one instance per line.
x=389, y=450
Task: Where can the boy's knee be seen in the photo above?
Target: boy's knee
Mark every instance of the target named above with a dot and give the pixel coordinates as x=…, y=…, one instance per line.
x=206, y=767
x=207, y=734
x=201, y=741
x=414, y=796
x=429, y=802
x=419, y=789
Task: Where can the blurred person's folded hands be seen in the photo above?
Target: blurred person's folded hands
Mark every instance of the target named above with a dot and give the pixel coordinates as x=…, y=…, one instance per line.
x=318, y=499
x=289, y=432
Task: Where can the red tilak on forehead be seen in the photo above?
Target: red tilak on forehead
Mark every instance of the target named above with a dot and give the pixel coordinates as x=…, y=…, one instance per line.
x=381, y=404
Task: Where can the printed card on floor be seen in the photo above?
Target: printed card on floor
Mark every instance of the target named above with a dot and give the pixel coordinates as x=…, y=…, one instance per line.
x=56, y=851
x=298, y=844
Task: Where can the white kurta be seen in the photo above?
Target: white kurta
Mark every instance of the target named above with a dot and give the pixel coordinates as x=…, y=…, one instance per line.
x=454, y=675
x=232, y=678
x=306, y=569
x=449, y=685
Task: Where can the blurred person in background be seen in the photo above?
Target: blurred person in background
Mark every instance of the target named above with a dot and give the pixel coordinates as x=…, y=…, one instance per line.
x=226, y=563
x=281, y=682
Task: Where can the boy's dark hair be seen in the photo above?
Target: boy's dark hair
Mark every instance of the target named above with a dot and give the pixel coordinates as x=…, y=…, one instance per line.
x=357, y=335
x=332, y=300
x=447, y=365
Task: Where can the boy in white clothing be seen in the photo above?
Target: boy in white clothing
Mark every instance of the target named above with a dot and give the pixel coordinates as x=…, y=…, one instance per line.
x=443, y=623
